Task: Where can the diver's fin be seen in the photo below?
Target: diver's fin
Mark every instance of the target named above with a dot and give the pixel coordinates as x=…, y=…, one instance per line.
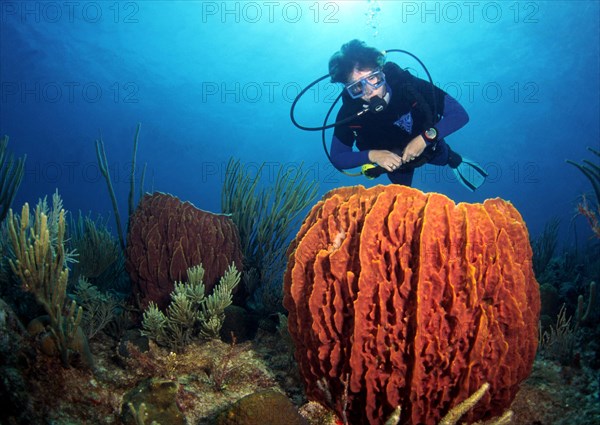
x=470, y=174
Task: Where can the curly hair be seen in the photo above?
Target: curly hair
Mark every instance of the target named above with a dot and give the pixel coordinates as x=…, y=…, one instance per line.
x=354, y=54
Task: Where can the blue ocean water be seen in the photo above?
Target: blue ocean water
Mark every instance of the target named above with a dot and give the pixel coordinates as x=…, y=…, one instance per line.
x=212, y=80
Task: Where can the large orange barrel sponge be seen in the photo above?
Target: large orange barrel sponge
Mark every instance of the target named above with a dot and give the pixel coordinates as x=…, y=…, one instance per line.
x=167, y=236
x=400, y=298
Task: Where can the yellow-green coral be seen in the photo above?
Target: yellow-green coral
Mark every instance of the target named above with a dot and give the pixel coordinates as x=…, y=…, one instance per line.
x=190, y=310
x=40, y=265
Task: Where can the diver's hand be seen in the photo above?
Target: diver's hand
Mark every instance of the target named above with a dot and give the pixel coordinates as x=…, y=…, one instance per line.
x=414, y=149
x=385, y=159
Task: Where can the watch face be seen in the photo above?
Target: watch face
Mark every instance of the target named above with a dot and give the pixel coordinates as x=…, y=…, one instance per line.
x=431, y=133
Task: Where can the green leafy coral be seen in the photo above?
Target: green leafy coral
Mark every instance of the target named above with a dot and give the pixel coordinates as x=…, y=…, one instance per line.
x=265, y=217
x=11, y=174
x=96, y=247
x=40, y=262
x=99, y=308
x=191, y=313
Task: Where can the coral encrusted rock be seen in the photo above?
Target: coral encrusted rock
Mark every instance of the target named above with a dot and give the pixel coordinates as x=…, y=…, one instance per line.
x=167, y=236
x=402, y=298
x=266, y=407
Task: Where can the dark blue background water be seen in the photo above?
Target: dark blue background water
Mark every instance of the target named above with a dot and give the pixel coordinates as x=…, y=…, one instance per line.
x=211, y=80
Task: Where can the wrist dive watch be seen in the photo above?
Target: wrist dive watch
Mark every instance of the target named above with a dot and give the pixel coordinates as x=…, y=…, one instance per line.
x=430, y=135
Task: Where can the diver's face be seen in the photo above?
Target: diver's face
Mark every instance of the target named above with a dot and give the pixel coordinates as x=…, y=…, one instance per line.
x=369, y=92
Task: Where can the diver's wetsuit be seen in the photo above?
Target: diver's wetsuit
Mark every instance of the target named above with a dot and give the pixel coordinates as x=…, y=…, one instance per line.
x=407, y=115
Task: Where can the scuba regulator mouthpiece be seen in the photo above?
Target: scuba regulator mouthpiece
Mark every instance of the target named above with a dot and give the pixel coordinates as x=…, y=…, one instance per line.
x=377, y=104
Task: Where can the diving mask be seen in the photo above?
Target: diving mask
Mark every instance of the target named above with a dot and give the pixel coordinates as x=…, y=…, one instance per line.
x=374, y=80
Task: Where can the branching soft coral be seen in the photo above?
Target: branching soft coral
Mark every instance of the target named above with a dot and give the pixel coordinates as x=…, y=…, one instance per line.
x=40, y=264
x=191, y=312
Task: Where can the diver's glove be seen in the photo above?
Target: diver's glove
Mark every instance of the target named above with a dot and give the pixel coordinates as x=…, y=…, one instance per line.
x=468, y=172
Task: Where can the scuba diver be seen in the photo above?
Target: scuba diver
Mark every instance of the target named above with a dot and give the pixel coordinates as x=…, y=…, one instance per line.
x=397, y=122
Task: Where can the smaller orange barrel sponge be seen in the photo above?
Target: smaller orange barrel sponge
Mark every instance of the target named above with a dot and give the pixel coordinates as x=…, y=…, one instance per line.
x=167, y=236
x=401, y=298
